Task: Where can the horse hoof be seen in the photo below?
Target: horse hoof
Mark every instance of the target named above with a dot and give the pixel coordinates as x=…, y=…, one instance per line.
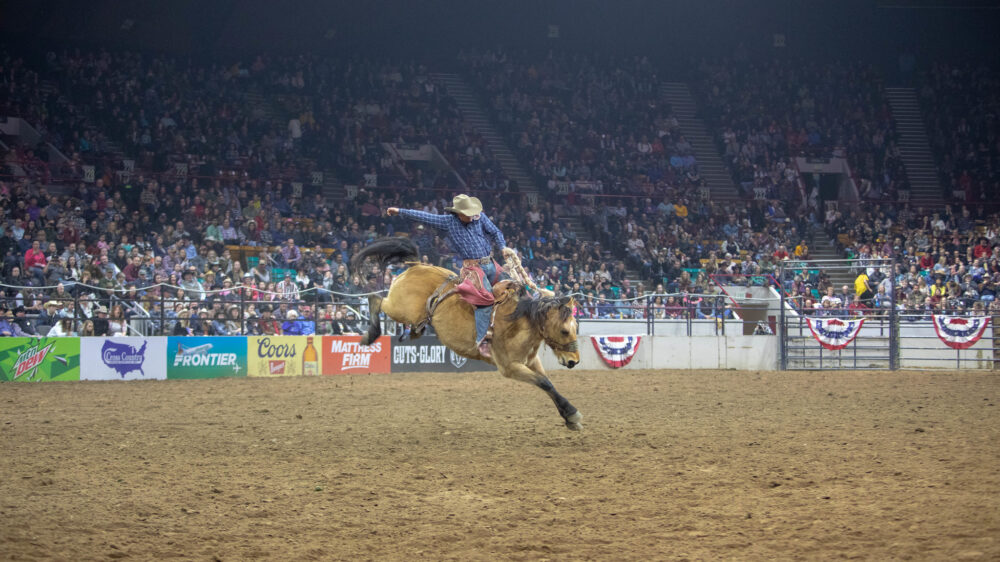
x=573, y=422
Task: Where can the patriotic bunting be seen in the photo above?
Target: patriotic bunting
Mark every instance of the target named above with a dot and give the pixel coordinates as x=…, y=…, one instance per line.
x=835, y=333
x=960, y=332
x=617, y=351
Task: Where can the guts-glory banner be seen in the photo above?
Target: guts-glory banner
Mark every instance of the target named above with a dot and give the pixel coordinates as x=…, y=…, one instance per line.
x=960, y=332
x=835, y=333
x=429, y=354
x=616, y=351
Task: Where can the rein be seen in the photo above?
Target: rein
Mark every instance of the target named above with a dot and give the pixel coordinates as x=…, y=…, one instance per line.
x=571, y=347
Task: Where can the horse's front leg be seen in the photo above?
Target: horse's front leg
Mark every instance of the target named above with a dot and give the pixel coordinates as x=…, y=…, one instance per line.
x=532, y=373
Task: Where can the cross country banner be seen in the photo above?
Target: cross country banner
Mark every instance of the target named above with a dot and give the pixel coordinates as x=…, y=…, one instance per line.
x=835, y=333
x=617, y=351
x=960, y=332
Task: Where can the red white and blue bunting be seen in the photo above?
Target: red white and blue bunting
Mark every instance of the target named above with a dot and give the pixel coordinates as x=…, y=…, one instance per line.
x=617, y=351
x=960, y=332
x=835, y=333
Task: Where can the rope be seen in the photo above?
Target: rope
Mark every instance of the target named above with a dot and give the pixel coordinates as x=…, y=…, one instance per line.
x=206, y=291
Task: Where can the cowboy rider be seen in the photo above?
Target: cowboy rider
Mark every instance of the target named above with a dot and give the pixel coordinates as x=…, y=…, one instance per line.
x=472, y=235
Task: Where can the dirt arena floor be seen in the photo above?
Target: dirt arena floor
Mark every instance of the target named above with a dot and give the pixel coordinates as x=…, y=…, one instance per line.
x=697, y=465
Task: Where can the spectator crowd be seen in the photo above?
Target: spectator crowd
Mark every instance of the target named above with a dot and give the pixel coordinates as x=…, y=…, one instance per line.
x=200, y=217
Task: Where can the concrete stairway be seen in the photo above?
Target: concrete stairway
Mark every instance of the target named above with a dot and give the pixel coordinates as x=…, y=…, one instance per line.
x=915, y=148
x=333, y=188
x=475, y=117
x=821, y=249
x=271, y=109
x=262, y=106
x=710, y=164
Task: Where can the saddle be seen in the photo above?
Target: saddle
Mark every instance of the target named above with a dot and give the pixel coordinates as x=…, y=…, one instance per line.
x=502, y=290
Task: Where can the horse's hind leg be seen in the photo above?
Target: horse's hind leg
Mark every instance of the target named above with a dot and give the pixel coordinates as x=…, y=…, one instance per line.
x=533, y=374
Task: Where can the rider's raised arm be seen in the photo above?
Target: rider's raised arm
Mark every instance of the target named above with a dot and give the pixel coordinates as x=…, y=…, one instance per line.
x=439, y=222
x=493, y=232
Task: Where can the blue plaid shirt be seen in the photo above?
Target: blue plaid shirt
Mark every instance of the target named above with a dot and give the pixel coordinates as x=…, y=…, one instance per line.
x=469, y=240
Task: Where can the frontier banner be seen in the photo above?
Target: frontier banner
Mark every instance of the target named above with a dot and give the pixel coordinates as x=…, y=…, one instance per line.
x=429, y=354
x=203, y=357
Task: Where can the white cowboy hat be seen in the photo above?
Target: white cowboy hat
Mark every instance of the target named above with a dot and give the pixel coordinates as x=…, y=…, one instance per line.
x=468, y=206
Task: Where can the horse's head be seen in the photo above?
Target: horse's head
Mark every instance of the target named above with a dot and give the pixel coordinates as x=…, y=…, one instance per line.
x=553, y=318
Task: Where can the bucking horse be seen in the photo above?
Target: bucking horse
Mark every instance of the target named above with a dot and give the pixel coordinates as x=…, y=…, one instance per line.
x=424, y=294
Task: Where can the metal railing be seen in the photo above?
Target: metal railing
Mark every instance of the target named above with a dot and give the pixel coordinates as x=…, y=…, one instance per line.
x=797, y=349
x=148, y=315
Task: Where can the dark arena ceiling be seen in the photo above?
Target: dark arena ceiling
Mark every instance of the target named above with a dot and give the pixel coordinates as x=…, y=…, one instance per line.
x=664, y=30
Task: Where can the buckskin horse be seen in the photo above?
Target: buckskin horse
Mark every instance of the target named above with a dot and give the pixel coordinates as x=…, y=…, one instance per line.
x=521, y=323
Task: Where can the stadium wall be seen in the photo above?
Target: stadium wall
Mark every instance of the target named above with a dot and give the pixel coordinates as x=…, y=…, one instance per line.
x=682, y=352
x=138, y=358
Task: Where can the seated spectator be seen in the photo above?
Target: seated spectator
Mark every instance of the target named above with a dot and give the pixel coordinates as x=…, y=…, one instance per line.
x=62, y=328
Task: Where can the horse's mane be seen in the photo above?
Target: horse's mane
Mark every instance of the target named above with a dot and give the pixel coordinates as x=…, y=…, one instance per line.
x=535, y=309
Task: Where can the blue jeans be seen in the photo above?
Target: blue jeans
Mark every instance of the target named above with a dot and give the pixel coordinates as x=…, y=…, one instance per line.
x=483, y=313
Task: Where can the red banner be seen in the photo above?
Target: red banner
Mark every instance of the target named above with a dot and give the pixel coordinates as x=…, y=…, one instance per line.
x=344, y=355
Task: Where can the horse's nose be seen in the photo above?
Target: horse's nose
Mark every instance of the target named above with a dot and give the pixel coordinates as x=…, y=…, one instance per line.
x=570, y=364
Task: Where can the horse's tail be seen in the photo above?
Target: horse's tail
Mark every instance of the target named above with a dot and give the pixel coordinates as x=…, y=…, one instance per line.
x=374, y=325
x=385, y=251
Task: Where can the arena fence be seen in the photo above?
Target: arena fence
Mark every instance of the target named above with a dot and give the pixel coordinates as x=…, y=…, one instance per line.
x=887, y=337
x=811, y=340
x=824, y=340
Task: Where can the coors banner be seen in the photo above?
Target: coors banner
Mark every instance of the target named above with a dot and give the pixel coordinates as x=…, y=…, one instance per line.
x=429, y=354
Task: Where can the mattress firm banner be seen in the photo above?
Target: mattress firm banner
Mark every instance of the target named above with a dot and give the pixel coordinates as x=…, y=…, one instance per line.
x=39, y=359
x=429, y=354
x=196, y=357
x=115, y=359
x=344, y=355
x=283, y=356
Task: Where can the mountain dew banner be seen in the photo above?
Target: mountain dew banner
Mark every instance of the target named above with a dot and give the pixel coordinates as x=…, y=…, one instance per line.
x=39, y=359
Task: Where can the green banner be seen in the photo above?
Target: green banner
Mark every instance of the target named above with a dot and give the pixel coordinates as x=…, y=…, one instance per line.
x=39, y=359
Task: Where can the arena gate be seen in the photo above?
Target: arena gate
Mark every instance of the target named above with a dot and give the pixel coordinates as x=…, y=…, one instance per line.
x=819, y=339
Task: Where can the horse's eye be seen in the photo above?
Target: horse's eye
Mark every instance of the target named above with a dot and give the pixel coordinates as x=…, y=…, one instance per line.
x=565, y=332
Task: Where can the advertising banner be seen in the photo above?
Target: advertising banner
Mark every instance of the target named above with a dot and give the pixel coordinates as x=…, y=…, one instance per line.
x=344, y=355
x=196, y=357
x=429, y=354
x=115, y=359
x=283, y=356
x=39, y=359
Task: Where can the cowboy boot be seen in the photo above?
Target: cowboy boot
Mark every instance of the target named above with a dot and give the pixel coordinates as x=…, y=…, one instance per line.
x=486, y=344
x=483, y=315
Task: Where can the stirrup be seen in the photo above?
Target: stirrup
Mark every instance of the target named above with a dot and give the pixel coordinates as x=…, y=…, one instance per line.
x=485, y=348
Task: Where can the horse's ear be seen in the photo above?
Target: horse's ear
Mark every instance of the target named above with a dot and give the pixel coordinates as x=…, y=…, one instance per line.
x=564, y=301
